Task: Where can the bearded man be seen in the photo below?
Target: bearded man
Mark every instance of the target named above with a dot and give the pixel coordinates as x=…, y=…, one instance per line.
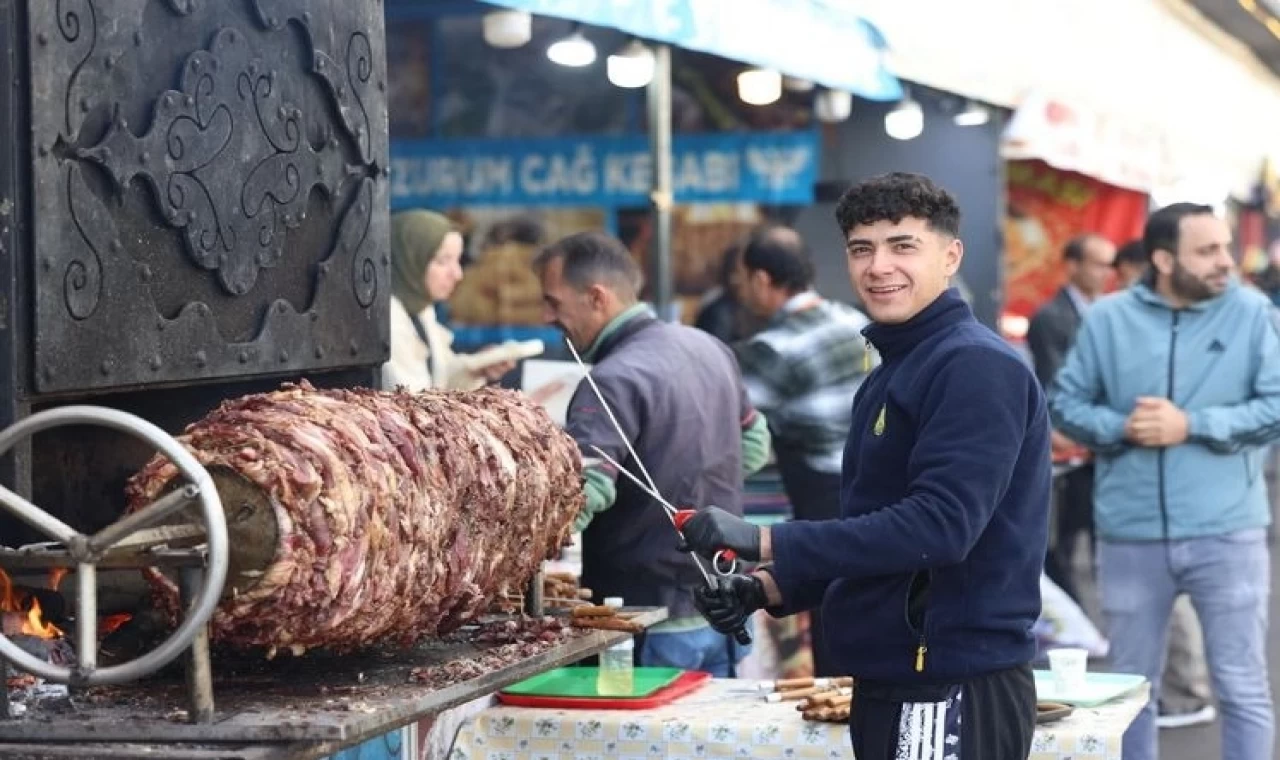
x=1174, y=384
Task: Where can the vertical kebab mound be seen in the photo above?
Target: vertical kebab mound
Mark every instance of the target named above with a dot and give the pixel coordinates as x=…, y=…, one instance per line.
x=361, y=517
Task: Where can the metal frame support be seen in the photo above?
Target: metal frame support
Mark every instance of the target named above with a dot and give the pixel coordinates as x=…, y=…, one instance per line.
x=86, y=673
x=199, y=672
x=15, y=465
x=533, y=604
x=6, y=709
x=662, y=193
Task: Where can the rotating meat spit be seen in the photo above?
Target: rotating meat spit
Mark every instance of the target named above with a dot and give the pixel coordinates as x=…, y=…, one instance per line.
x=202, y=570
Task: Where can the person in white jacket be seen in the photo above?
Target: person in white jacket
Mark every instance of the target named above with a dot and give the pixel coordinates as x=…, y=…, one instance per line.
x=425, y=268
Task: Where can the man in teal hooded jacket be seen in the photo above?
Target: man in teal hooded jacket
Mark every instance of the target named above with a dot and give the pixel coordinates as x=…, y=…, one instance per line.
x=1175, y=385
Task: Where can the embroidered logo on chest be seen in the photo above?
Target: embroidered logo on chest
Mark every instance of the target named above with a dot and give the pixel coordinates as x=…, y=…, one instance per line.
x=878, y=428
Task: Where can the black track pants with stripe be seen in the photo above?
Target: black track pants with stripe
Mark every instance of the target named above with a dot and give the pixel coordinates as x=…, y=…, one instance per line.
x=987, y=718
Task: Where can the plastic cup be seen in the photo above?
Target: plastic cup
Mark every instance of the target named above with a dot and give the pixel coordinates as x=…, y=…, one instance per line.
x=1068, y=666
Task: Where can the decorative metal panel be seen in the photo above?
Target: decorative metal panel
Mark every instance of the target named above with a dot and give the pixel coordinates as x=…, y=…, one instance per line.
x=210, y=182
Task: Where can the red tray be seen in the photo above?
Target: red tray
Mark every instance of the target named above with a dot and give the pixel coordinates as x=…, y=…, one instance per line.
x=666, y=695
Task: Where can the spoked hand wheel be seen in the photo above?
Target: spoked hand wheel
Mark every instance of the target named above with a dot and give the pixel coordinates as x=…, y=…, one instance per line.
x=86, y=551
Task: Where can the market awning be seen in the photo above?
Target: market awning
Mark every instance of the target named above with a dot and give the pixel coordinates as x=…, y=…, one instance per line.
x=1085, y=56
x=824, y=41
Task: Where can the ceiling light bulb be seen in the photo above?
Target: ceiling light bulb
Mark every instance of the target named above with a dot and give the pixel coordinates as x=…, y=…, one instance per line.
x=508, y=29
x=975, y=115
x=905, y=121
x=832, y=106
x=759, y=87
x=572, y=50
x=632, y=66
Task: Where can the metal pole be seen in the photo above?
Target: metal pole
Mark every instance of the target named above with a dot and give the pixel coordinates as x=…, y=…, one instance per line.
x=6, y=710
x=36, y=517
x=661, y=193
x=199, y=670
x=533, y=602
x=153, y=513
x=86, y=622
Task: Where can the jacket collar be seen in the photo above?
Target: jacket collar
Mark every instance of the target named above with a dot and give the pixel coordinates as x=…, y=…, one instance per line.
x=620, y=327
x=898, y=339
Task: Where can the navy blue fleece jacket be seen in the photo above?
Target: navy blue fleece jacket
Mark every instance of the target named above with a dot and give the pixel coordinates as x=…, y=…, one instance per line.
x=932, y=574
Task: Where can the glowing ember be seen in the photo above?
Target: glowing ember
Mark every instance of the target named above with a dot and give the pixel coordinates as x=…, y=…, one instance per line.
x=110, y=623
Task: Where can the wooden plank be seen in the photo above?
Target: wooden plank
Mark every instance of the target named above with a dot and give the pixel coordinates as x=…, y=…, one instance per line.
x=339, y=700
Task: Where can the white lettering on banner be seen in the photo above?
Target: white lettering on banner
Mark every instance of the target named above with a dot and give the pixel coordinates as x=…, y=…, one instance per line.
x=528, y=166
x=687, y=173
x=721, y=172
x=444, y=176
x=560, y=174
x=709, y=172
x=627, y=173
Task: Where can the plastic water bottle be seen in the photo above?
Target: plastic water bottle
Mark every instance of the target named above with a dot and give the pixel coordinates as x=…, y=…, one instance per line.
x=617, y=668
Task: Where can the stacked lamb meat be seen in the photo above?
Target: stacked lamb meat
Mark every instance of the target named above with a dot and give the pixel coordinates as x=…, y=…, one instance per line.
x=400, y=515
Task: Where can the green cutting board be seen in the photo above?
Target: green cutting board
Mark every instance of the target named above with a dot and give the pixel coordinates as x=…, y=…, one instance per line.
x=581, y=682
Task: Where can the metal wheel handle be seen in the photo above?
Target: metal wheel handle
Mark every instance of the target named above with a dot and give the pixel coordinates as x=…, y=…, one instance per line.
x=87, y=549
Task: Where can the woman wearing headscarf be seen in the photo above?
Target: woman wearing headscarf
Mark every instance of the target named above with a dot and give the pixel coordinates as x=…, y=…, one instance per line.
x=426, y=266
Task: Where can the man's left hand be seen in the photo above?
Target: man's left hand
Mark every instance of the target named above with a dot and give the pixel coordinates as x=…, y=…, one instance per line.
x=1156, y=422
x=713, y=529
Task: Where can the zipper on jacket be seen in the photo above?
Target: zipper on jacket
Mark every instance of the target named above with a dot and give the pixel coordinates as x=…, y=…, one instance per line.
x=922, y=592
x=1160, y=455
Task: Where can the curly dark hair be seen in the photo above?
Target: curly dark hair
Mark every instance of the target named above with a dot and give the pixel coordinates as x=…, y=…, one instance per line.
x=895, y=196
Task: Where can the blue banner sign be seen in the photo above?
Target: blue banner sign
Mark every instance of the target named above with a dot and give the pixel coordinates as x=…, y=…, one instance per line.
x=826, y=41
x=776, y=168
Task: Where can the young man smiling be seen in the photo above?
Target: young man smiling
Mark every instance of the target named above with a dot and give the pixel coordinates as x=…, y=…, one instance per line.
x=929, y=581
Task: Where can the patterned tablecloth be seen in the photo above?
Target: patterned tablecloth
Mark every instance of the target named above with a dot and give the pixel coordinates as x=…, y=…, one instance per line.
x=728, y=719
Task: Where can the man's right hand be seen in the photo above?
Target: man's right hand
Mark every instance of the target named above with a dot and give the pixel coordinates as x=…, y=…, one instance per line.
x=729, y=605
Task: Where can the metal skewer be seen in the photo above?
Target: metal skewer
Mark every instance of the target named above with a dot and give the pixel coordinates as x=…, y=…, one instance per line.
x=671, y=510
x=673, y=514
x=652, y=489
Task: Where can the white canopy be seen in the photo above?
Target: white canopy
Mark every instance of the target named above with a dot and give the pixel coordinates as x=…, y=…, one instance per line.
x=1143, y=80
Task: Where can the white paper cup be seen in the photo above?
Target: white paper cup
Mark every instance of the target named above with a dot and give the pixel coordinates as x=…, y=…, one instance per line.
x=1069, y=666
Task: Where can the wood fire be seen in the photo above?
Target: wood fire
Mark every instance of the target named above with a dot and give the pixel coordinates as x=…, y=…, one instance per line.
x=22, y=613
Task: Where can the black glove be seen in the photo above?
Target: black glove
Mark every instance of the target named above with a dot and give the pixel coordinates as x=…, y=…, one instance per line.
x=713, y=529
x=729, y=605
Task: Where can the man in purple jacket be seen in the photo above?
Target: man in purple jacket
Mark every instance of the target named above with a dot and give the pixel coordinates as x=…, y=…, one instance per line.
x=929, y=581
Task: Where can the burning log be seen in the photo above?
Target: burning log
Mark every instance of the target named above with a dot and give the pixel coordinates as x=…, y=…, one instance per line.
x=358, y=516
x=29, y=611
